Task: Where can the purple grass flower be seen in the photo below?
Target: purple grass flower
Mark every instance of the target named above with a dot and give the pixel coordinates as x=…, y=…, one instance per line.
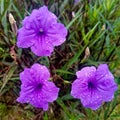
x=93, y=86
x=41, y=32
x=35, y=88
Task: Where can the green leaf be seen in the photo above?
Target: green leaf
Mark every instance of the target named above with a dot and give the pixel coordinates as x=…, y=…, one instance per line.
x=7, y=76
x=1, y=6
x=63, y=71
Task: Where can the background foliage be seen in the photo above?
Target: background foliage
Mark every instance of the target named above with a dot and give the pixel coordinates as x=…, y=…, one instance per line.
x=91, y=23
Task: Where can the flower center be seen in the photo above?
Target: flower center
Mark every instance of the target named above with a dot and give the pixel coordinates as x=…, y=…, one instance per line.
x=41, y=31
x=39, y=86
x=91, y=85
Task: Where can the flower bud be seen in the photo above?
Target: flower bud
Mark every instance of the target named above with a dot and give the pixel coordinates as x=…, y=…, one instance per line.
x=13, y=23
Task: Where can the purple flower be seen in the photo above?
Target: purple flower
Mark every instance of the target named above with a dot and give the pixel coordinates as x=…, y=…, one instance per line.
x=41, y=32
x=76, y=1
x=35, y=88
x=93, y=86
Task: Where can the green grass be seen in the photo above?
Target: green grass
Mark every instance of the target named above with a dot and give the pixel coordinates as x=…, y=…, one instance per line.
x=94, y=24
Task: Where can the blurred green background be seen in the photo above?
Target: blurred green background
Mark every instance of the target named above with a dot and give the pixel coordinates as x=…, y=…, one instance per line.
x=92, y=24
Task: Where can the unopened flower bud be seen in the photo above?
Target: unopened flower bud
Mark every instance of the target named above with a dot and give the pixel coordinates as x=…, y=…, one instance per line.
x=73, y=14
x=103, y=27
x=13, y=23
x=87, y=52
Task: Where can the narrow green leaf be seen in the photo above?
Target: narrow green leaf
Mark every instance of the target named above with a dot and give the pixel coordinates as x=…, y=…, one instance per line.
x=63, y=71
x=1, y=6
x=7, y=76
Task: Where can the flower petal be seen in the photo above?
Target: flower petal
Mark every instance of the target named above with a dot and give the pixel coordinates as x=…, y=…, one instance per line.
x=42, y=47
x=91, y=99
x=37, y=100
x=25, y=94
x=40, y=71
x=105, y=82
x=57, y=34
x=102, y=71
x=47, y=19
x=50, y=91
x=35, y=23
x=79, y=86
x=86, y=72
x=25, y=76
x=26, y=38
